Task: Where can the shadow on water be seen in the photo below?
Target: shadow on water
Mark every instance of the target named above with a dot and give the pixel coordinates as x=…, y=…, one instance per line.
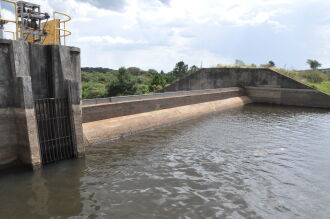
x=52, y=191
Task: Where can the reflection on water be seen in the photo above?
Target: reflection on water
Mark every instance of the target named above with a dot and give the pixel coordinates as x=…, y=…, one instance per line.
x=255, y=162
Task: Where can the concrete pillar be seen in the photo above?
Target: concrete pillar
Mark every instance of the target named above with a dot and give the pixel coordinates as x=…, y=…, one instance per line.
x=27, y=130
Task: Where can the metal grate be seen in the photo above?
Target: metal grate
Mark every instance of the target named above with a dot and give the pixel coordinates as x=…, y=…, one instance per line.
x=55, y=130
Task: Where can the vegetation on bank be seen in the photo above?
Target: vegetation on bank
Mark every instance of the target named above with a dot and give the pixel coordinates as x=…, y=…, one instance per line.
x=105, y=82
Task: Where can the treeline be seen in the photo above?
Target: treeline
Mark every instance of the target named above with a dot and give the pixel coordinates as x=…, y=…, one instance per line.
x=105, y=82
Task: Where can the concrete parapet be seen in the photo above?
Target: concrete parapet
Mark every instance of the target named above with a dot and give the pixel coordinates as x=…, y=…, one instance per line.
x=104, y=130
x=110, y=110
x=146, y=96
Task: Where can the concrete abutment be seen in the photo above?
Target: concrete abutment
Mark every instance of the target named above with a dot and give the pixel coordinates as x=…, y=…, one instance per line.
x=29, y=72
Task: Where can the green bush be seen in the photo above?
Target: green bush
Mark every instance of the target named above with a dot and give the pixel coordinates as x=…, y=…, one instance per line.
x=314, y=76
x=142, y=89
x=92, y=90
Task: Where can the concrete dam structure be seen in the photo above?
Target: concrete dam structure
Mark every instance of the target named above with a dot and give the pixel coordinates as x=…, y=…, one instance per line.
x=207, y=91
x=43, y=119
x=40, y=103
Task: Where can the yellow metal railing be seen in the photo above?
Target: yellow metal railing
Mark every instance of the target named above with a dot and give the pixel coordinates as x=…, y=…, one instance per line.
x=66, y=32
x=12, y=21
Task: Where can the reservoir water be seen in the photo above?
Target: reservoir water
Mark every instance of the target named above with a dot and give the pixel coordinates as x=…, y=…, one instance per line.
x=258, y=161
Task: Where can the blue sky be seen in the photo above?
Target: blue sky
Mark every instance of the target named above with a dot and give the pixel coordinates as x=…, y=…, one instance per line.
x=158, y=33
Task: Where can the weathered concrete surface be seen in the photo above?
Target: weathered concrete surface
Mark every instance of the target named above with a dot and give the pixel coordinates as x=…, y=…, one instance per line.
x=29, y=72
x=110, y=110
x=293, y=97
x=263, y=85
x=213, y=78
x=144, y=96
x=105, y=130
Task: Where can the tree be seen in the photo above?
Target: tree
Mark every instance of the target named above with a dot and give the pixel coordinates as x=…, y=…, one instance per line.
x=124, y=85
x=158, y=82
x=193, y=69
x=239, y=62
x=314, y=64
x=271, y=64
x=180, y=69
x=134, y=70
x=93, y=90
x=152, y=71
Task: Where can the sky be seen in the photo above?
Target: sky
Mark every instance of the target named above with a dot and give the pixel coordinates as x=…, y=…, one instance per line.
x=156, y=34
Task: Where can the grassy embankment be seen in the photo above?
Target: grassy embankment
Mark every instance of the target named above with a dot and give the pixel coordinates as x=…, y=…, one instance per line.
x=315, y=78
x=318, y=79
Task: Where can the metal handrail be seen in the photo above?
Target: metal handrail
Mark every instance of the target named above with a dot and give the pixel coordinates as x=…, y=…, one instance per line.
x=16, y=17
x=66, y=32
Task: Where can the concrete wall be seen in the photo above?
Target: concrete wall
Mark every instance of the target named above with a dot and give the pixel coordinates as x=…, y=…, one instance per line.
x=124, y=108
x=143, y=96
x=29, y=72
x=262, y=85
x=293, y=97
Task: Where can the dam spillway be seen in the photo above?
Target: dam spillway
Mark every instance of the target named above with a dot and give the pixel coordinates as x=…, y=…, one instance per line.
x=206, y=91
x=32, y=73
x=261, y=148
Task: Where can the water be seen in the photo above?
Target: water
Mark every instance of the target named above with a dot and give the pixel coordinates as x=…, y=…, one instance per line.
x=253, y=162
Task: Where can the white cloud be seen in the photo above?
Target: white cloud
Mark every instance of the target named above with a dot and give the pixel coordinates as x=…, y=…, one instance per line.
x=151, y=34
x=108, y=40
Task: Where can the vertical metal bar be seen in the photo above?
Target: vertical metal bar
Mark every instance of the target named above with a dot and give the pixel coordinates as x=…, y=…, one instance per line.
x=67, y=128
x=58, y=136
x=62, y=128
x=46, y=131
x=53, y=140
x=59, y=145
x=67, y=154
x=51, y=136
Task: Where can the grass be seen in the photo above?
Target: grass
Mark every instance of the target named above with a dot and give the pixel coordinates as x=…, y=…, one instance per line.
x=314, y=78
x=324, y=86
